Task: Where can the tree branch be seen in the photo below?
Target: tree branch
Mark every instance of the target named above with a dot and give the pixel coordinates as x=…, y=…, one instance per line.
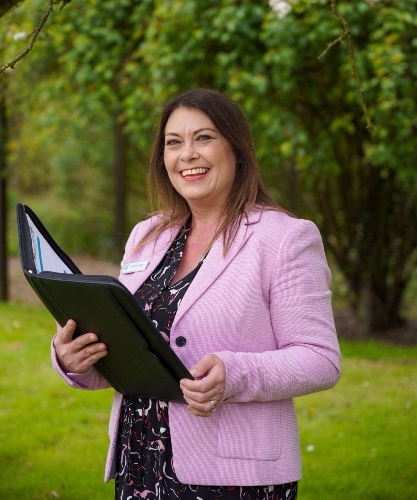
x=346, y=34
x=35, y=33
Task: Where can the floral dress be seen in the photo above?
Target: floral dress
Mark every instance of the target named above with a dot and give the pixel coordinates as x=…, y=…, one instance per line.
x=144, y=465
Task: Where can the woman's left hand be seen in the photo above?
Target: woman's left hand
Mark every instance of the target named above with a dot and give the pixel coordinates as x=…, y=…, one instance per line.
x=204, y=394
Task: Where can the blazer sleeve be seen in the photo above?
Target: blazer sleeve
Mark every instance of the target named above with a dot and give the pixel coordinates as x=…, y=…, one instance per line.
x=89, y=380
x=308, y=357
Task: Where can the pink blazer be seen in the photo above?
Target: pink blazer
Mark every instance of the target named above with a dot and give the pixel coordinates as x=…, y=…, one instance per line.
x=265, y=310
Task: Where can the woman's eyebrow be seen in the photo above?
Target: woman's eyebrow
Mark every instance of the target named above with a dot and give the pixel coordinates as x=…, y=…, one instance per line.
x=196, y=132
x=204, y=128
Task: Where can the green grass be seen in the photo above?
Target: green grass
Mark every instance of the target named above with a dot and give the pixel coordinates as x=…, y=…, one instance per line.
x=358, y=440
x=53, y=439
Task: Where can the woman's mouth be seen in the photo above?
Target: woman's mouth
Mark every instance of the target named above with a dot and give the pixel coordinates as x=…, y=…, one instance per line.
x=194, y=171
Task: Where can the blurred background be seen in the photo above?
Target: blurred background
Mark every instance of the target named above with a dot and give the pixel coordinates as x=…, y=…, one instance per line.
x=328, y=87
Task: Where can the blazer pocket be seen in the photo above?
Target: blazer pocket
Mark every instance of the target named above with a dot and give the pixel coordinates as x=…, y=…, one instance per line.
x=251, y=431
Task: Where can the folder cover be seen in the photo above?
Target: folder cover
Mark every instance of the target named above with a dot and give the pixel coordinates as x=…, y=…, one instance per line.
x=139, y=361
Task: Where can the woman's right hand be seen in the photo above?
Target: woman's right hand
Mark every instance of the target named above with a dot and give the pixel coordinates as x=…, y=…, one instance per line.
x=79, y=354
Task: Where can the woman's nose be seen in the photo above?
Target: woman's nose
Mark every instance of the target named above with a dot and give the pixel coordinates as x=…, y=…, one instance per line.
x=188, y=152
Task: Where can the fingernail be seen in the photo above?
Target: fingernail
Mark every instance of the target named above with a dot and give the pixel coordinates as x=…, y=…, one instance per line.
x=194, y=372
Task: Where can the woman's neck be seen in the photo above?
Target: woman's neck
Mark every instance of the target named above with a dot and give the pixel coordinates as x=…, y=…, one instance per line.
x=206, y=220
x=205, y=226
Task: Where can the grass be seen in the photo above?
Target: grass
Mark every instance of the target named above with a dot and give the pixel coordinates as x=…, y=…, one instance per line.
x=358, y=440
x=53, y=439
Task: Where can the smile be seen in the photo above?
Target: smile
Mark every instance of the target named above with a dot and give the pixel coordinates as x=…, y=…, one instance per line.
x=194, y=171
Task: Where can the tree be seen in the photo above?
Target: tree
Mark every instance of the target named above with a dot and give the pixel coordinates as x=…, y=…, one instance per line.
x=5, y=6
x=349, y=139
x=338, y=148
x=88, y=52
x=363, y=185
x=99, y=47
x=3, y=204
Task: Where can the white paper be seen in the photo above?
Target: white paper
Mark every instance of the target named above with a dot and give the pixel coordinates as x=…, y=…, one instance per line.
x=45, y=257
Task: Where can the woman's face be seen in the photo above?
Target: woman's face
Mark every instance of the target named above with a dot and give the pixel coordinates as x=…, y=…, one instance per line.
x=200, y=162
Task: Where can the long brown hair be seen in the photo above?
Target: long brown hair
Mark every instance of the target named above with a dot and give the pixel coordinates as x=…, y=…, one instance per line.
x=247, y=189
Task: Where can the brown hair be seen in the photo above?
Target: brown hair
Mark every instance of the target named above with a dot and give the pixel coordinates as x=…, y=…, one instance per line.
x=247, y=189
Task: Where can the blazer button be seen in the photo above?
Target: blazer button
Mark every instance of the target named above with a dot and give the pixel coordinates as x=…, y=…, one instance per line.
x=180, y=341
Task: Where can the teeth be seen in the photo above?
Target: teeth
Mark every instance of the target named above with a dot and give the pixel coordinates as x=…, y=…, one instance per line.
x=194, y=171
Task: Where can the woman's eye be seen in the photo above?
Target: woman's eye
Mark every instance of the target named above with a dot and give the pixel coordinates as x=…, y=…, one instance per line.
x=172, y=142
x=204, y=138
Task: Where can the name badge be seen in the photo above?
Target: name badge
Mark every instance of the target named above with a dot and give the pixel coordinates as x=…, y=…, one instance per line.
x=134, y=267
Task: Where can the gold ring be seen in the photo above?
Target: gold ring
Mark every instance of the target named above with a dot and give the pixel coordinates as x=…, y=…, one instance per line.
x=213, y=406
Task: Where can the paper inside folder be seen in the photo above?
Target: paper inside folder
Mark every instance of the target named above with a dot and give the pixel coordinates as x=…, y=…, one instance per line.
x=44, y=255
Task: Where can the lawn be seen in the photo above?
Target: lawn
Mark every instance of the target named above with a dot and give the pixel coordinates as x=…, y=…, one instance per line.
x=52, y=438
x=358, y=440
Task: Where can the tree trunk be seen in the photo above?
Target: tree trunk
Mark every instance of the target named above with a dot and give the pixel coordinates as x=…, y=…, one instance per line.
x=368, y=226
x=120, y=144
x=3, y=194
x=374, y=315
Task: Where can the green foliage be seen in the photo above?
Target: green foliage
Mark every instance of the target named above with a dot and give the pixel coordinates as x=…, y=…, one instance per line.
x=361, y=183
x=133, y=55
x=54, y=438
x=323, y=92
x=101, y=62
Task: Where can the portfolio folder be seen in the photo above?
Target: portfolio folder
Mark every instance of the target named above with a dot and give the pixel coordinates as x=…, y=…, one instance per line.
x=139, y=361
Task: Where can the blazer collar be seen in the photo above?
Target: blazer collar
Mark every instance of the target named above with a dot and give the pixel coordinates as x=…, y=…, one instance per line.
x=152, y=253
x=215, y=263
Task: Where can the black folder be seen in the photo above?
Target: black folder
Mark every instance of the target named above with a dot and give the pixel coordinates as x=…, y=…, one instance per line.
x=139, y=361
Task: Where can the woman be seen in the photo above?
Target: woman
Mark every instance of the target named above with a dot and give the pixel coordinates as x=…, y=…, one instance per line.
x=241, y=290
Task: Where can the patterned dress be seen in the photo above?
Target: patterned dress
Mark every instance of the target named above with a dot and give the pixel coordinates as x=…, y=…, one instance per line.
x=144, y=467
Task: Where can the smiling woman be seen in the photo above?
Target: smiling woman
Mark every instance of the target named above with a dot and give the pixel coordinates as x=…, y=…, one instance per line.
x=200, y=162
x=240, y=289
x=201, y=166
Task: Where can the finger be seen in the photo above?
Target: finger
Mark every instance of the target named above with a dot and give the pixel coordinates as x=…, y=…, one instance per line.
x=199, y=413
x=89, y=340
x=80, y=361
x=203, y=410
x=208, y=364
x=213, y=381
x=66, y=332
x=92, y=355
x=216, y=393
x=201, y=368
x=94, y=351
x=211, y=386
x=65, y=335
x=203, y=398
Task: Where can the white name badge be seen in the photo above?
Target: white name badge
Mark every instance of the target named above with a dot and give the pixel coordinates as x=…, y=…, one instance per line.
x=134, y=267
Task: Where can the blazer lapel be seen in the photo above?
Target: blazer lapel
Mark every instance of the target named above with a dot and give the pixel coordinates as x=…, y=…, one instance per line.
x=151, y=253
x=215, y=264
